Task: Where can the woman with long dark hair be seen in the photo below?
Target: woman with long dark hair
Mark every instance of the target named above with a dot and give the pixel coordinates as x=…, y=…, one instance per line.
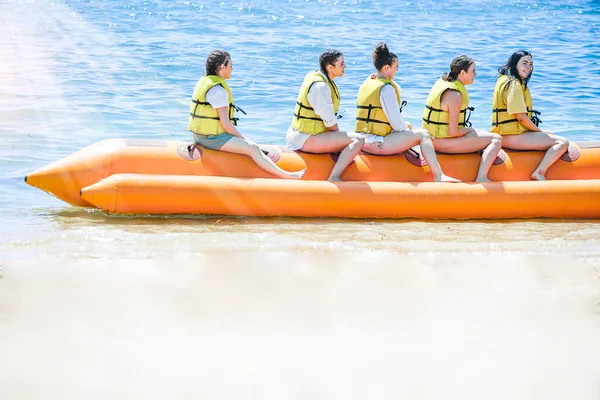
x=513, y=116
x=446, y=117
x=211, y=116
x=314, y=126
x=379, y=115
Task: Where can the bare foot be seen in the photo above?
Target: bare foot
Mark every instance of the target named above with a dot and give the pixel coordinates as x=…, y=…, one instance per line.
x=446, y=178
x=296, y=175
x=538, y=176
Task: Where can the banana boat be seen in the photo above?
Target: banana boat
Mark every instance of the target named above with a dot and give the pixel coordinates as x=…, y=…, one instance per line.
x=144, y=176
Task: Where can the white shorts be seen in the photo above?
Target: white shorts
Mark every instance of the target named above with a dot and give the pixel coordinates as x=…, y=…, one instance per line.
x=371, y=138
x=296, y=139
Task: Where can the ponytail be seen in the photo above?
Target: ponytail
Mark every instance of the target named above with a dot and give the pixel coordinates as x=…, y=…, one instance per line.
x=382, y=56
x=458, y=64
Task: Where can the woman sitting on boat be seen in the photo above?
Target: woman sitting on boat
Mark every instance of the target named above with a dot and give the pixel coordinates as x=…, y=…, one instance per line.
x=379, y=115
x=314, y=126
x=446, y=117
x=211, y=116
x=513, y=116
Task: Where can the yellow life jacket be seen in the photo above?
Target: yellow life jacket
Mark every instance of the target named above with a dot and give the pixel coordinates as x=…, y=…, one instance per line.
x=503, y=122
x=204, y=119
x=370, y=117
x=435, y=120
x=305, y=119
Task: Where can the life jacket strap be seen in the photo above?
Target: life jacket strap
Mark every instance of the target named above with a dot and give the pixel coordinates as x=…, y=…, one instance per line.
x=534, y=117
x=299, y=111
x=232, y=109
x=203, y=116
x=369, y=119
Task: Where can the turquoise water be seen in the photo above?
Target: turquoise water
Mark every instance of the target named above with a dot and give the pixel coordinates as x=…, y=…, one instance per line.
x=94, y=306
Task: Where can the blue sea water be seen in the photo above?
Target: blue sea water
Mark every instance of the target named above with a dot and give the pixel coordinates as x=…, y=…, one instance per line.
x=76, y=72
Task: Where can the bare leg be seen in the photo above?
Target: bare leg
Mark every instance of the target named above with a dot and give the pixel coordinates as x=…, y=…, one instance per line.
x=349, y=143
x=429, y=155
x=556, y=146
x=399, y=141
x=242, y=146
x=488, y=157
x=472, y=142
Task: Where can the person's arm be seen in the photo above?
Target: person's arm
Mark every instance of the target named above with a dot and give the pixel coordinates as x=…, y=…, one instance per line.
x=391, y=108
x=515, y=106
x=226, y=122
x=319, y=97
x=218, y=98
x=451, y=100
x=524, y=120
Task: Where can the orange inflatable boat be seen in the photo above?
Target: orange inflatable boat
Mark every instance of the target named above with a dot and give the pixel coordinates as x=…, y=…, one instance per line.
x=135, y=176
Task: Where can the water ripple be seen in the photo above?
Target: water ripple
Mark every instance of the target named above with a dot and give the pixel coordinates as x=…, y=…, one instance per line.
x=77, y=72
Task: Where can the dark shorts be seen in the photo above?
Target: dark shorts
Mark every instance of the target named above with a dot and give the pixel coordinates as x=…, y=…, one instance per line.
x=213, y=142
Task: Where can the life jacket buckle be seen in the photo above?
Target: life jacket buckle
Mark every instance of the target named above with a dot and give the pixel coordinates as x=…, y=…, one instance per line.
x=468, y=112
x=535, y=117
x=404, y=102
